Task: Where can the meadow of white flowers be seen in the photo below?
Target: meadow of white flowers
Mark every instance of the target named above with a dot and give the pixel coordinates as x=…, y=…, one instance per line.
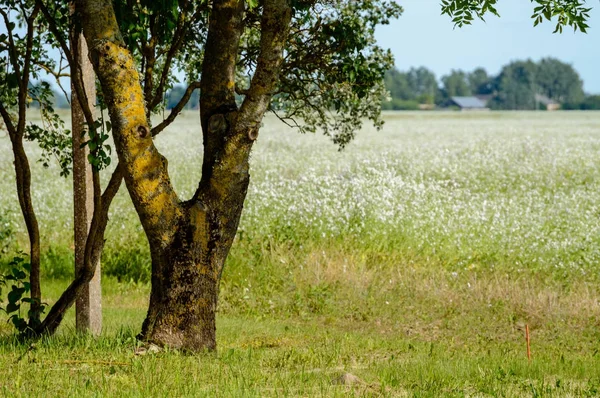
x=490, y=189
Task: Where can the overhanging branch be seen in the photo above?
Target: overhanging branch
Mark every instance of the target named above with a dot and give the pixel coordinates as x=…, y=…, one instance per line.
x=176, y=44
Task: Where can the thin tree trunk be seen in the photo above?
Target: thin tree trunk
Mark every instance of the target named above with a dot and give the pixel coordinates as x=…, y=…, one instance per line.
x=23, y=173
x=88, y=307
x=22, y=169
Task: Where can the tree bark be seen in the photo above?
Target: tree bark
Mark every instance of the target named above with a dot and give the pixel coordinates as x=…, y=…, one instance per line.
x=23, y=172
x=88, y=308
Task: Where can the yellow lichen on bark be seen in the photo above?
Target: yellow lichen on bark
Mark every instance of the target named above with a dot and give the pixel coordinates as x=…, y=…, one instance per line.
x=146, y=169
x=122, y=83
x=99, y=16
x=201, y=230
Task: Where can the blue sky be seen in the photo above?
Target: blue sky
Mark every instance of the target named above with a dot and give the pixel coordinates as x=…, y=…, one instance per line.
x=423, y=37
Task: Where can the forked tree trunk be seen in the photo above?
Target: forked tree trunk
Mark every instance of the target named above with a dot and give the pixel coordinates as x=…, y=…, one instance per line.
x=189, y=241
x=183, y=301
x=187, y=272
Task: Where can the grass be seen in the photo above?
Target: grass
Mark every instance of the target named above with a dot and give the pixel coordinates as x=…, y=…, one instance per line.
x=413, y=260
x=429, y=348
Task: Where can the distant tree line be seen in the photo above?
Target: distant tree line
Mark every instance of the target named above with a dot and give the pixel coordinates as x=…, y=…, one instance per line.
x=520, y=85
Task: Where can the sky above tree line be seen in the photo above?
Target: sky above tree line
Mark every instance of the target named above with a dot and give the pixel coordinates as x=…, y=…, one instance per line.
x=423, y=37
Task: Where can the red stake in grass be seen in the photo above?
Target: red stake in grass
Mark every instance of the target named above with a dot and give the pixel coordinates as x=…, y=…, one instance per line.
x=527, y=339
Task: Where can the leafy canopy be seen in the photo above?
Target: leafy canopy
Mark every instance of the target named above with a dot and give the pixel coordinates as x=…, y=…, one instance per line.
x=332, y=73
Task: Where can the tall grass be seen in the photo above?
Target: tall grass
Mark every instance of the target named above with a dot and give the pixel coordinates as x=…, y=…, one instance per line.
x=510, y=190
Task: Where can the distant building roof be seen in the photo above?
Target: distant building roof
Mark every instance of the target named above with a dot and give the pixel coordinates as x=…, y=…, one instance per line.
x=469, y=102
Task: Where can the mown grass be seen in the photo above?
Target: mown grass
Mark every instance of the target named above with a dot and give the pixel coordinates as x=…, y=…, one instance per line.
x=413, y=260
x=438, y=339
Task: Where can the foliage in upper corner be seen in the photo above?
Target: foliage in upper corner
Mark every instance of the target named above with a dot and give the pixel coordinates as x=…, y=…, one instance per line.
x=332, y=75
x=463, y=12
x=573, y=13
x=333, y=70
x=16, y=46
x=567, y=12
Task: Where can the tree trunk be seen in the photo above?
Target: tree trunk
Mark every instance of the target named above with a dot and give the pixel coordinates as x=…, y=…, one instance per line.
x=183, y=300
x=23, y=173
x=186, y=273
x=88, y=307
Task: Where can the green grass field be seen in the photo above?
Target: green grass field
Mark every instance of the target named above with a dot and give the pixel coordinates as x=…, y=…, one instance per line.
x=412, y=260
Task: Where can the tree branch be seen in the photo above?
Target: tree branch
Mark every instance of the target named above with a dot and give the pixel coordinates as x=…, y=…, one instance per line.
x=149, y=57
x=29, y=46
x=93, y=249
x=12, y=49
x=24, y=85
x=275, y=27
x=112, y=188
x=241, y=91
x=7, y=120
x=176, y=44
x=177, y=109
x=217, y=82
x=219, y=65
x=284, y=120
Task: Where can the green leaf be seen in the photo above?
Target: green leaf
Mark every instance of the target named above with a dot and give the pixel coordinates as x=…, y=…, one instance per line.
x=12, y=307
x=19, y=323
x=15, y=295
x=12, y=81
